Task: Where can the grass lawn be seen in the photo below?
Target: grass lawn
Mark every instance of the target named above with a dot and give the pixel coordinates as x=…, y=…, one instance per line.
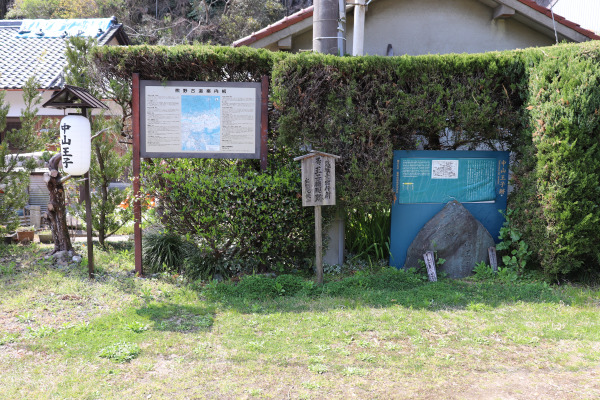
x=371, y=336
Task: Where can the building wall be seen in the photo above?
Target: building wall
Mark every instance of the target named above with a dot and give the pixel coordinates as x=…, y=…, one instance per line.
x=15, y=99
x=417, y=27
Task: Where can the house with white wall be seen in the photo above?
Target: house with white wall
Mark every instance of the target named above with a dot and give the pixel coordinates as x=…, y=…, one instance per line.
x=37, y=48
x=416, y=27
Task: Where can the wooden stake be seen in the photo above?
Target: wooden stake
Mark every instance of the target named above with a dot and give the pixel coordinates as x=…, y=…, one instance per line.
x=493, y=258
x=430, y=264
x=88, y=222
x=319, y=245
x=137, y=209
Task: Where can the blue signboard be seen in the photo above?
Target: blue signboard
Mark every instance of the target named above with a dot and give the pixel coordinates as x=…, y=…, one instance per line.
x=425, y=181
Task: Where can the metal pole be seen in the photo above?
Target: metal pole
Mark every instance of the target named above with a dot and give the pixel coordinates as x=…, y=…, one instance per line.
x=137, y=209
x=358, y=40
x=342, y=27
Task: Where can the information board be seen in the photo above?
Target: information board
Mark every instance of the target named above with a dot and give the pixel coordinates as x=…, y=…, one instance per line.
x=188, y=119
x=425, y=181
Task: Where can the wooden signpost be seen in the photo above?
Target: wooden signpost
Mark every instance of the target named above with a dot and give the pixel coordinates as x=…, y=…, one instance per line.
x=318, y=189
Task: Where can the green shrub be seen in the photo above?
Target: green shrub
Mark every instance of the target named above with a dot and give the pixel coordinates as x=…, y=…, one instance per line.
x=235, y=212
x=368, y=233
x=203, y=266
x=256, y=287
x=165, y=252
x=557, y=199
x=288, y=285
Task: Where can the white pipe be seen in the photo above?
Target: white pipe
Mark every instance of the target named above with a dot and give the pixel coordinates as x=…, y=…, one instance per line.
x=342, y=27
x=358, y=40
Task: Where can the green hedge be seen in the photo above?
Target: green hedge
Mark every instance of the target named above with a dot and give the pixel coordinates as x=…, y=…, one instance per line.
x=542, y=104
x=557, y=201
x=362, y=108
x=186, y=63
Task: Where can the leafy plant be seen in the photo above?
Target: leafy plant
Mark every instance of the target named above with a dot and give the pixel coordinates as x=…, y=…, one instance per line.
x=120, y=352
x=14, y=169
x=507, y=274
x=368, y=233
x=110, y=158
x=165, y=252
x=512, y=243
x=483, y=272
x=234, y=212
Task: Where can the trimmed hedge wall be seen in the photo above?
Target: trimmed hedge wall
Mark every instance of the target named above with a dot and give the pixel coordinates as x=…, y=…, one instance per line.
x=557, y=201
x=542, y=104
x=363, y=108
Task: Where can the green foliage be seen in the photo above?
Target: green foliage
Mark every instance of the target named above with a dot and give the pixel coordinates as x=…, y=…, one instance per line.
x=165, y=252
x=362, y=108
x=110, y=158
x=120, y=352
x=200, y=265
x=247, y=16
x=515, y=251
x=256, y=287
x=14, y=169
x=556, y=203
x=34, y=9
x=539, y=103
x=202, y=63
x=483, y=272
x=235, y=212
x=368, y=233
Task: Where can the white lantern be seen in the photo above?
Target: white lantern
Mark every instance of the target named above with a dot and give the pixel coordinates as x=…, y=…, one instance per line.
x=75, y=144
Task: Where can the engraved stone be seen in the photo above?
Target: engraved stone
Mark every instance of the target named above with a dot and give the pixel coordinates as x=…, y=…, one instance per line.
x=454, y=235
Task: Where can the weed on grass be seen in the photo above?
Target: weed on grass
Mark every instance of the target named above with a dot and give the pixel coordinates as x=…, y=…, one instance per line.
x=120, y=352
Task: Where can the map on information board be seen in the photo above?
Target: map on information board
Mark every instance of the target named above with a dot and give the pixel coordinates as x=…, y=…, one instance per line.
x=200, y=119
x=200, y=123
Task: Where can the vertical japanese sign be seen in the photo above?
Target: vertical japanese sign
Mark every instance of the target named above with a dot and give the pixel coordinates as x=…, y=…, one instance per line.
x=318, y=179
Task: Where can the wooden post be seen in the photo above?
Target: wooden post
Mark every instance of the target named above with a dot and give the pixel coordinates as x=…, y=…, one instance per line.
x=493, y=258
x=137, y=209
x=88, y=222
x=264, y=123
x=319, y=245
x=430, y=264
x=88, y=214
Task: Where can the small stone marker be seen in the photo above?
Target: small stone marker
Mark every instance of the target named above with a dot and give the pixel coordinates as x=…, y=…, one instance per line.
x=493, y=258
x=430, y=264
x=318, y=189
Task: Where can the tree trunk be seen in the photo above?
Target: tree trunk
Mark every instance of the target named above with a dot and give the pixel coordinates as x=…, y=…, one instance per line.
x=57, y=210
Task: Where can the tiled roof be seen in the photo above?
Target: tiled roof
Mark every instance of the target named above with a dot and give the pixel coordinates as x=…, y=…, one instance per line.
x=44, y=57
x=308, y=12
x=276, y=27
x=561, y=20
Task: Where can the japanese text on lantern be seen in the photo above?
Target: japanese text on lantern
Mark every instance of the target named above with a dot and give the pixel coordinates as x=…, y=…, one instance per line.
x=66, y=156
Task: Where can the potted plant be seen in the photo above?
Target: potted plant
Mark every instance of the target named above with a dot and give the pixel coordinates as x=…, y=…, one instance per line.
x=25, y=234
x=45, y=236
